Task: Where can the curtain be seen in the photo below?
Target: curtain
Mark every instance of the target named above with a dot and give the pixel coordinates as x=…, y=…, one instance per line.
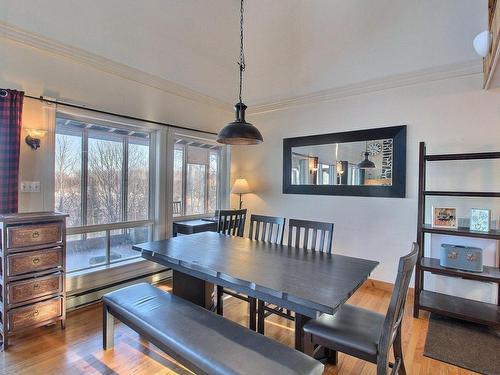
x=11, y=106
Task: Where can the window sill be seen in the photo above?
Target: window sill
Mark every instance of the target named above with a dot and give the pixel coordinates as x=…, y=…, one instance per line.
x=94, y=278
x=192, y=217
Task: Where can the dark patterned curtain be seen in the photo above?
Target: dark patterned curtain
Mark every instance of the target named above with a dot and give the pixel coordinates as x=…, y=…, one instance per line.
x=11, y=106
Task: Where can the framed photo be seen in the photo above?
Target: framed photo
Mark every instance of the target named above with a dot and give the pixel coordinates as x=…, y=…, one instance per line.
x=480, y=219
x=444, y=217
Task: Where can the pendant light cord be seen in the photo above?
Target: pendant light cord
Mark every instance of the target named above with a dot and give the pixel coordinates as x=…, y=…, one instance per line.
x=242, y=52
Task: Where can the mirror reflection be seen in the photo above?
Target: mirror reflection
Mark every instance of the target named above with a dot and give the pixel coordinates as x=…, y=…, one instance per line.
x=352, y=163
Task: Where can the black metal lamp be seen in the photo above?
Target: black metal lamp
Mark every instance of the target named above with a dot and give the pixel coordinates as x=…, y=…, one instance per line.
x=366, y=163
x=240, y=132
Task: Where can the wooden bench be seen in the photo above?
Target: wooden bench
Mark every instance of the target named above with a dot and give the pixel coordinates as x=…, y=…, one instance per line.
x=202, y=341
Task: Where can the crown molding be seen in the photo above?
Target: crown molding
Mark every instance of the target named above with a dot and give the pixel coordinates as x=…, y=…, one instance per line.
x=106, y=65
x=109, y=66
x=390, y=82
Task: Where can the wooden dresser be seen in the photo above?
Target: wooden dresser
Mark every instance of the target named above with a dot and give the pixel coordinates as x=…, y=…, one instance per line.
x=33, y=257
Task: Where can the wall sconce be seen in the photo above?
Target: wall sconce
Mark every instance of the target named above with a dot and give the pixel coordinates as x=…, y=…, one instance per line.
x=482, y=43
x=33, y=137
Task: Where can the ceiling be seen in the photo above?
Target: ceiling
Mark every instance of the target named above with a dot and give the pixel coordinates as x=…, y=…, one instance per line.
x=293, y=47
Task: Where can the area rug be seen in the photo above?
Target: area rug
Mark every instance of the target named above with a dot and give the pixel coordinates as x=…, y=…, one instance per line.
x=463, y=344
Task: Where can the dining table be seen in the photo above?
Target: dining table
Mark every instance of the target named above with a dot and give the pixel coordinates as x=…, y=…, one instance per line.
x=306, y=282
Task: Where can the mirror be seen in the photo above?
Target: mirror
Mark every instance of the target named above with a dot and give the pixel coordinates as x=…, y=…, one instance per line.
x=367, y=162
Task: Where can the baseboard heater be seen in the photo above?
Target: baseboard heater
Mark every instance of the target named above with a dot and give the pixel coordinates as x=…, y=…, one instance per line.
x=79, y=300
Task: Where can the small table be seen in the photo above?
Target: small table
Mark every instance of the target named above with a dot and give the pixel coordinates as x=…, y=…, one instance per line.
x=194, y=226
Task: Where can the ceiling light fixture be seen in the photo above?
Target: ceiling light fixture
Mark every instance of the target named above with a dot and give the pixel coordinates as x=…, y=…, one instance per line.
x=240, y=132
x=366, y=163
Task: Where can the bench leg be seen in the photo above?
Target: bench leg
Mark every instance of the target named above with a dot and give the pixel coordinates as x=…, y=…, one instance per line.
x=108, y=327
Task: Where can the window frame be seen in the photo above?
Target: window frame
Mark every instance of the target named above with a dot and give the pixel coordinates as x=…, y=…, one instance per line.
x=222, y=174
x=85, y=228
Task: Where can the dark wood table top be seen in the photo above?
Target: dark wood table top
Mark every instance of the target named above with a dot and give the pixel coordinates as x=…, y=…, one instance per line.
x=304, y=281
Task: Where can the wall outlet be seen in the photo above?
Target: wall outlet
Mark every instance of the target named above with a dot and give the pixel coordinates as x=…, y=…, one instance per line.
x=30, y=186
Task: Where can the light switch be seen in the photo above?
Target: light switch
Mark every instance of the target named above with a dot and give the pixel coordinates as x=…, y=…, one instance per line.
x=30, y=186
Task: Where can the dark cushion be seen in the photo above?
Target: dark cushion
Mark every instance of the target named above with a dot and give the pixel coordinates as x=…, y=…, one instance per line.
x=351, y=327
x=208, y=341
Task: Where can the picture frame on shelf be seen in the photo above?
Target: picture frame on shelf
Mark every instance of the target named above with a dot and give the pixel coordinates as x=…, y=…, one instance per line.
x=444, y=217
x=480, y=219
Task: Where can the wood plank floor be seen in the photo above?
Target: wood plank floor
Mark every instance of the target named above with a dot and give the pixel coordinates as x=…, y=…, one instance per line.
x=77, y=349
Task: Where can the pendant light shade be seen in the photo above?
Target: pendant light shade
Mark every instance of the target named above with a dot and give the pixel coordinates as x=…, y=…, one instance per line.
x=366, y=163
x=239, y=132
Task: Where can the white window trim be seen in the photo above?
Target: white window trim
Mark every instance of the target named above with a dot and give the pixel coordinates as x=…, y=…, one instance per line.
x=225, y=165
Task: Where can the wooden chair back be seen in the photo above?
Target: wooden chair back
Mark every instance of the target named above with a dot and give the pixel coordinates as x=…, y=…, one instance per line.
x=394, y=315
x=267, y=228
x=177, y=208
x=317, y=236
x=231, y=222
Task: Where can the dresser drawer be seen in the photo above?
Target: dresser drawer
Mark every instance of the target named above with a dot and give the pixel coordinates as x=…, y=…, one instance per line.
x=20, y=291
x=40, y=312
x=33, y=261
x=32, y=235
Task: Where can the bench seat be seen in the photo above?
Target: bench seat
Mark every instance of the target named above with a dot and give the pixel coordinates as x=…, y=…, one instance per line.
x=204, y=342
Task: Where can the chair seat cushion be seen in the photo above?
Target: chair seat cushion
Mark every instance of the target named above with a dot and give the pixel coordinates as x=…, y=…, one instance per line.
x=352, y=328
x=208, y=341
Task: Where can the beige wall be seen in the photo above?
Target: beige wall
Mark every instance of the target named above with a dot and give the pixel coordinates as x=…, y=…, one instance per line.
x=453, y=115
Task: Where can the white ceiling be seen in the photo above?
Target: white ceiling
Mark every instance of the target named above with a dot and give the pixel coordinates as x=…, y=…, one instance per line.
x=293, y=47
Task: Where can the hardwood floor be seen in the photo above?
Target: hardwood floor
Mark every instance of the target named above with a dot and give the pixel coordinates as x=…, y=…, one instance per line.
x=78, y=349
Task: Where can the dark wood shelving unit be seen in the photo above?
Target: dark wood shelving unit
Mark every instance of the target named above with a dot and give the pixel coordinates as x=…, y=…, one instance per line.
x=444, y=304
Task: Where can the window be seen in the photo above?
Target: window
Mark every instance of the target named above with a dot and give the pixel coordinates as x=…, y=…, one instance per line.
x=197, y=177
x=103, y=182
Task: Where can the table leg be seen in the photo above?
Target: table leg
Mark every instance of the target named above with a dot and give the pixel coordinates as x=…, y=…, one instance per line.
x=192, y=289
x=300, y=320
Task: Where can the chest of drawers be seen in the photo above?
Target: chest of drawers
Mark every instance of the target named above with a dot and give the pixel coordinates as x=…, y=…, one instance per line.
x=32, y=257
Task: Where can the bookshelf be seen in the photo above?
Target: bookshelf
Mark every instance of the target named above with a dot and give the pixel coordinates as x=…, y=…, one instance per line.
x=444, y=304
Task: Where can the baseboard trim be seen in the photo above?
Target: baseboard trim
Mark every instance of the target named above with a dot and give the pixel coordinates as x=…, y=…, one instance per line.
x=382, y=285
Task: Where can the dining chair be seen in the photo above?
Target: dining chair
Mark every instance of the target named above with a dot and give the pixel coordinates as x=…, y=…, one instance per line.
x=315, y=236
x=363, y=333
x=267, y=228
x=318, y=236
x=231, y=222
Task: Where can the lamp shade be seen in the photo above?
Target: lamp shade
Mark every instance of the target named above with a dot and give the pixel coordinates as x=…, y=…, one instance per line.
x=239, y=132
x=366, y=163
x=240, y=186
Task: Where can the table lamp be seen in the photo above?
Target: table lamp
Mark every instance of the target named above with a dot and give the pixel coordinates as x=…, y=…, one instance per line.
x=240, y=187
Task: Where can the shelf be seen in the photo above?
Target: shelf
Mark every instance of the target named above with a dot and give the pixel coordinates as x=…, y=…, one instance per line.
x=463, y=232
x=490, y=274
x=487, y=194
x=469, y=156
x=461, y=308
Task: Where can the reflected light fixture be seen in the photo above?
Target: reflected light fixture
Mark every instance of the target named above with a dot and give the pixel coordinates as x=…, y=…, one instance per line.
x=366, y=163
x=240, y=132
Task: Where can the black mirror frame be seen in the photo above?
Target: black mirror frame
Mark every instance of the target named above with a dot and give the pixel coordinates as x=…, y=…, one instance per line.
x=398, y=188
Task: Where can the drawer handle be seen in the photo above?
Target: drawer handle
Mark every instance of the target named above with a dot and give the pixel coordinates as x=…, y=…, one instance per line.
x=36, y=286
x=35, y=234
x=35, y=313
x=36, y=260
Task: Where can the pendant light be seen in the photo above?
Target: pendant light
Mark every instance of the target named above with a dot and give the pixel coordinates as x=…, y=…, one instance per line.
x=366, y=163
x=240, y=132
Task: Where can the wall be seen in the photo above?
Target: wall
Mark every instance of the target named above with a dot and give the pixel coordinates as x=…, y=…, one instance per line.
x=39, y=72
x=453, y=115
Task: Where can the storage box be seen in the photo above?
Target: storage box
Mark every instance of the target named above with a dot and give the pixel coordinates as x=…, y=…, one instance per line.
x=465, y=258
